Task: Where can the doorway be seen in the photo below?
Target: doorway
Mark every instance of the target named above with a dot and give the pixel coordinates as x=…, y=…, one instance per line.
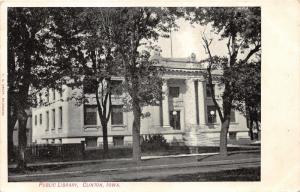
x=175, y=120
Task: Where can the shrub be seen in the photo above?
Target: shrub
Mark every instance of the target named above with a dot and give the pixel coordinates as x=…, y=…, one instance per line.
x=154, y=142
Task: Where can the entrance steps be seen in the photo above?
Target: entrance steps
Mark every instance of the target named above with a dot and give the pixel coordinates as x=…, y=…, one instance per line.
x=196, y=138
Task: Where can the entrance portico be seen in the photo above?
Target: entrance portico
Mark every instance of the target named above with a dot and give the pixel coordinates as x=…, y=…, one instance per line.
x=189, y=103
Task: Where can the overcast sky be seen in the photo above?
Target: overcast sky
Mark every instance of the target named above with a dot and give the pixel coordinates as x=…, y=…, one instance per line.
x=187, y=40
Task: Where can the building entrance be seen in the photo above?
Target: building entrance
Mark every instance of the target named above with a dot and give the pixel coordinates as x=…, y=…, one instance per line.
x=175, y=119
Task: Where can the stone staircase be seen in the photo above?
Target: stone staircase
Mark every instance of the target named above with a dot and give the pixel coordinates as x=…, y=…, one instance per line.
x=201, y=138
x=212, y=138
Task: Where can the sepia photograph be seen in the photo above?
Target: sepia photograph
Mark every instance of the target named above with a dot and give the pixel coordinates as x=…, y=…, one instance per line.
x=133, y=94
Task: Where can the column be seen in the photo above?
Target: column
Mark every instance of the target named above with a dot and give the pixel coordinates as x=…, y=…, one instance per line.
x=202, y=103
x=190, y=103
x=165, y=105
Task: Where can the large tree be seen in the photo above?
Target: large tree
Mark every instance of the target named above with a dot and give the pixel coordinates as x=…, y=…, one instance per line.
x=132, y=28
x=94, y=61
x=118, y=42
x=240, y=27
x=32, y=64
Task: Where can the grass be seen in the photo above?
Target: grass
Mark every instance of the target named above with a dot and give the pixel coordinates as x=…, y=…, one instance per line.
x=244, y=174
x=127, y=163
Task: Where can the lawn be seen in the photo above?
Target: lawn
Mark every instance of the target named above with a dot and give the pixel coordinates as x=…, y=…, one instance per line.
x=244, y=174
x=113, y=164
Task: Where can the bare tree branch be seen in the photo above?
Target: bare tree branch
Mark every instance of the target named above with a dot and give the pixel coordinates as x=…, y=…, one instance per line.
x=252, y=51
x=207, y=44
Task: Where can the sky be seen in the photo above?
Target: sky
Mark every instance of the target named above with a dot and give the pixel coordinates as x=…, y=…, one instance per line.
x=187, y=40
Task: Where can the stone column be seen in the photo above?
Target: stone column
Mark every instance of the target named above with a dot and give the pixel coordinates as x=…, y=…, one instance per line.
x=165, y=105
x=190, y=104
x=202, y=102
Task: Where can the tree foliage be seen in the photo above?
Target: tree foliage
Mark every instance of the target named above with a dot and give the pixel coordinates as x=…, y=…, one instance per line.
x=34, y=48
x=131, y=27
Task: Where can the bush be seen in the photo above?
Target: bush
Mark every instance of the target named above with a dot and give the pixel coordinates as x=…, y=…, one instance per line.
x=154, y=142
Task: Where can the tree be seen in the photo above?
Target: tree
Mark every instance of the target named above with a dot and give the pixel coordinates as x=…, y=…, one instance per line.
x=249, y=102
x=117, y=42
x=131, y=28
x=32, y=64
x=241, y=28
x=94, y=61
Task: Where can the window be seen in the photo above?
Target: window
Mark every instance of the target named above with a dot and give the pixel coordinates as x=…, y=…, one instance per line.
x=40, y=99
x=47, y=96
x=211, y=114
x=91, y=142
x=89, y=86
x=41, y=119
x=117, y=115
x=118, y=140
x=53, y=94
x=60, y=93
x=208, y=91
x=47, y=120
x=174, y=92
x=87, y=89
x=60, y=118
x=232, y=116
x=232, y=135
x=90, y=115
x=35, y=120
x=116, y=87
x=53, y=119
x=175, y=119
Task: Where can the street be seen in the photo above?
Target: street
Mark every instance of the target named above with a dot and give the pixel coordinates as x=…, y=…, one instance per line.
x=242, y=167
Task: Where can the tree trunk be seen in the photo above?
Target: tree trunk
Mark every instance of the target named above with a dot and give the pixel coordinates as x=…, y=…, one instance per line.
x=12, y=119
x=10, y=131
x=104, y=121
x=10, y=143
x=136, y=147
x=105, y=140
x=251, y=130
x=257, y=126
x=223, y=138
x=22, y=139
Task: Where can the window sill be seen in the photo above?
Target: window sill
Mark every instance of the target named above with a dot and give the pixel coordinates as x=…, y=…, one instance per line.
x=120, y=127
x=90, y=126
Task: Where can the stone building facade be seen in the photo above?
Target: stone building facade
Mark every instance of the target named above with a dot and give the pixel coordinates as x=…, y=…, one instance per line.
x=186, y=115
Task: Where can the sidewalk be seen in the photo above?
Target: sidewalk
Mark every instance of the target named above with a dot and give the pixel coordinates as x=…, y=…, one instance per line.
x=50, y=164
